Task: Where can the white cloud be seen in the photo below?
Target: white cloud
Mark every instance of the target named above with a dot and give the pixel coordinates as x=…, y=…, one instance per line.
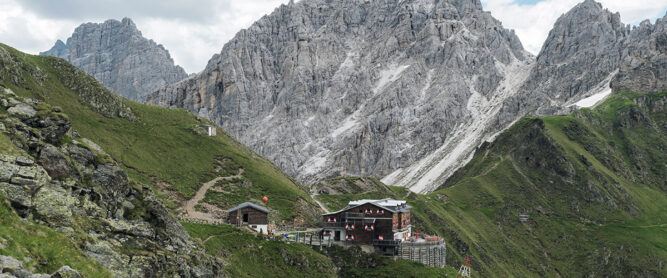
x=532, y=22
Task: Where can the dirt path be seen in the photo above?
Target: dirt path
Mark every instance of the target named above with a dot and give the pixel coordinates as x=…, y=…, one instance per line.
x=188, y=208
x=320, y=204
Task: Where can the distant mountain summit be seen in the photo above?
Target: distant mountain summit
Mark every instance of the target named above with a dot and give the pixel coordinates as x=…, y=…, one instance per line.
x=117, y=55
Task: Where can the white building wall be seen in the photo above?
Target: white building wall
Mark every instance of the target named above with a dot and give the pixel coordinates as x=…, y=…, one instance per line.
x=263, y=228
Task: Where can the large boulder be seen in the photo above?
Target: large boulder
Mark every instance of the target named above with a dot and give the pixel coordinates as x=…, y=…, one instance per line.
x=111, y=176
x=22, y=111
x=66, y=272
x=54, y=162
x=81, y=156
x=53, y=205
x=10, y=265
x=16, y=194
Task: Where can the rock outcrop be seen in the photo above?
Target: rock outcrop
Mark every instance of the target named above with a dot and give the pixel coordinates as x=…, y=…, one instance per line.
x=403, y=92
x=117, y=55
x=67, y=184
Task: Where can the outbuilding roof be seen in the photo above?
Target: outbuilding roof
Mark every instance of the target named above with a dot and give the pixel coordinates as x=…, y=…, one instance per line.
x=249, y=204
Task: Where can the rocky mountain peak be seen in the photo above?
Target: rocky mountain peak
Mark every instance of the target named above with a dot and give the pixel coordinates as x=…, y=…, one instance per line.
x=584, y=27
x=116, y=54
x=644, y=65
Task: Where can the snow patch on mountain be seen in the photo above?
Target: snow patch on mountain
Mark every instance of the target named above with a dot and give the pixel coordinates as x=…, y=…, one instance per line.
x=597, y=94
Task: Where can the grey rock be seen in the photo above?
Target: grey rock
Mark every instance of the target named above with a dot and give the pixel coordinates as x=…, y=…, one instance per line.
x=7, y=91
x=9, y=264
x=103, y=252
x=27, y=172
x=22, y=111
x=81, y=156
x=24, y=181
x=117, y=55
x=136, y=228
x=178, y=236
x=66, y=272
x=52, y=129
x=54, y=162
x=6, y=172
x=202, y=272
x=12, y=101
x=16, y=194
x=93, y=145
x=53, y=205
x=112, y=180
x=22, y=160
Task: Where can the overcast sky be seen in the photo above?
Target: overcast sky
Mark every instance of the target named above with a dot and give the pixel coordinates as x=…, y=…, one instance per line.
x=193, y=31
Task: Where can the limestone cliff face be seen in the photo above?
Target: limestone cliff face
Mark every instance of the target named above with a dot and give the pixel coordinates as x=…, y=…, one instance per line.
x=118, y=56
x=403, y=91
x=328, y=88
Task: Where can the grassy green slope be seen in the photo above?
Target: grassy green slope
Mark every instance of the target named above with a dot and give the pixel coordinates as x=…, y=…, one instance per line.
x=252, y=256
x=593, y=184
x=159, y=146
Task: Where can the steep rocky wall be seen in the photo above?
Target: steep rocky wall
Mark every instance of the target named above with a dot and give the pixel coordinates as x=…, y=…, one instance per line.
x=331, y=88
x=404, y=91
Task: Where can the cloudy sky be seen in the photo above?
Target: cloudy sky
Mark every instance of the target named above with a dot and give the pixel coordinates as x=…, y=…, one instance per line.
x=195, y=30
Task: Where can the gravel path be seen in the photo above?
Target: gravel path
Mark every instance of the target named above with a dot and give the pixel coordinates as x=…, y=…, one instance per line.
x=189, y=207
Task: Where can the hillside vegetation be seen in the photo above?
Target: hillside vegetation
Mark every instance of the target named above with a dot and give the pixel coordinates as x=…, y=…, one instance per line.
x=592, y=183
x=164, y=148
x=253, y=256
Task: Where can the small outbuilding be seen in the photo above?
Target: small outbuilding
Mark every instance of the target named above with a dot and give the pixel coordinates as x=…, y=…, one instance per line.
x=211, y=130
x=251, y=215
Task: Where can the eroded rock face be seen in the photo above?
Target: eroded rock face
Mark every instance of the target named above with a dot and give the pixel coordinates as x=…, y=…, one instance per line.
x=403, y=92
x=331, y=88
x=117, y=55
